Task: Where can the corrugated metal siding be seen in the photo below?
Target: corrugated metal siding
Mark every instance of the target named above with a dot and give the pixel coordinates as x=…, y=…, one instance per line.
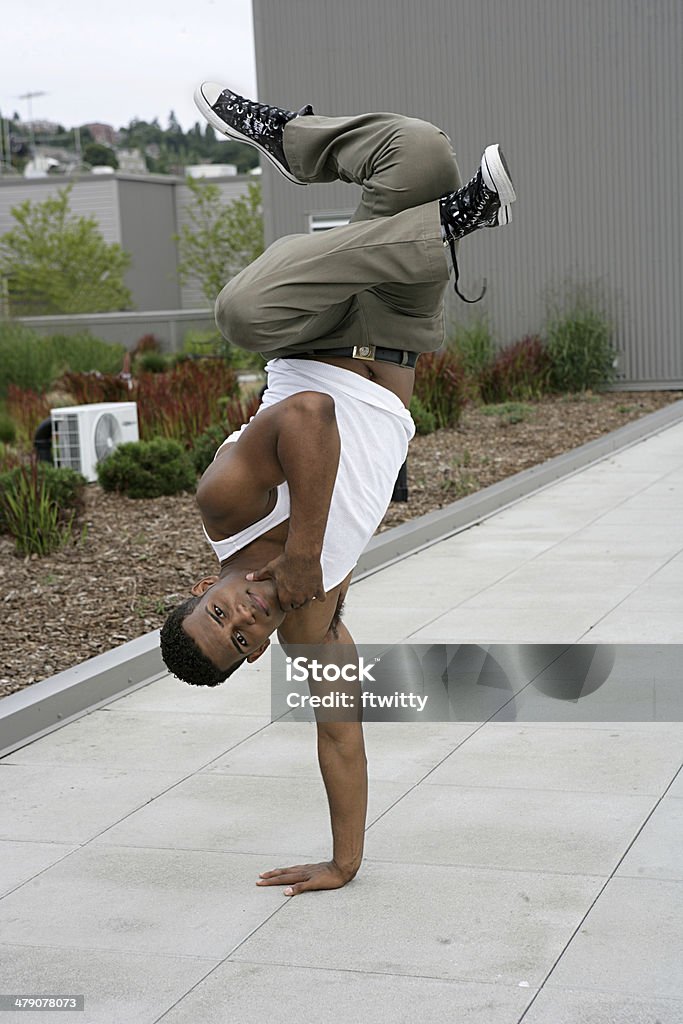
x=191, y=295
x=586, y=100
x=96, y=197
x=147, y=230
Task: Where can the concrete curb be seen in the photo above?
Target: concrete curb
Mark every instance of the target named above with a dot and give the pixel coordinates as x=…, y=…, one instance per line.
x=51, y=703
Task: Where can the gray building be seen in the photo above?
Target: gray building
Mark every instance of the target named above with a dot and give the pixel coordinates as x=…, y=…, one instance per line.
x=140, y=212
x=585, y=98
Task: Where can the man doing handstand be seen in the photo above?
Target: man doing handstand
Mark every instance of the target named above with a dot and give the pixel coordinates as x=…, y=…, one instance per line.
x=291, y=500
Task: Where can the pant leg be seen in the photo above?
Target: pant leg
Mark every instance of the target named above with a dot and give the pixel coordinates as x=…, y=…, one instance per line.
x=378, y=280
x=398, y=161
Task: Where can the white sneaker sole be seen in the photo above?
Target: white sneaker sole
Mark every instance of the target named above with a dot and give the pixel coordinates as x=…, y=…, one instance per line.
x=206, y=94
x=497, y=178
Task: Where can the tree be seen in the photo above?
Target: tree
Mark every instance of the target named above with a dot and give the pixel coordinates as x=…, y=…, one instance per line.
x=98, y=155
x=221, y=238
x=56, y=262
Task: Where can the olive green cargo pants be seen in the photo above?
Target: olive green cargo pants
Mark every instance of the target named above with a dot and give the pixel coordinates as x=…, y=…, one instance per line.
x=379, y=280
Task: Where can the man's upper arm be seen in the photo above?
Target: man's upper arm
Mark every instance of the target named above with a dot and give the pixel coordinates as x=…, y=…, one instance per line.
x=251, y=467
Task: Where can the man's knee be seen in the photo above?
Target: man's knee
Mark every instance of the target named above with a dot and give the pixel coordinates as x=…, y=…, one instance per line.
x=428, y=150
x=236, y=316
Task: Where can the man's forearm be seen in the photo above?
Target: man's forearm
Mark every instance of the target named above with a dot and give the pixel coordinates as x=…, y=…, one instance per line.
x=341, y=754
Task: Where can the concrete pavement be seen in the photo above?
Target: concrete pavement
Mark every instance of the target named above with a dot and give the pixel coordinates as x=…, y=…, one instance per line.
x=514, y=871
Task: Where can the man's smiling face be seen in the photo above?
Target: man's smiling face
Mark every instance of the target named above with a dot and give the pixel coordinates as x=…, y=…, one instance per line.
x=234, y=618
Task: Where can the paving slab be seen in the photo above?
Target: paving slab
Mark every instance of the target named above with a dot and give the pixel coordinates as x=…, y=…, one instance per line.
x=521, y=829
x=632, y=760
x=189, y=903
x=117, y=987
x=247, y=690
x=570, y=1006
x=20, y=861
x=657, y=852
x=252, y=993
x=241, y=814
x=459, y=923
x=630, y=943
x=69, y=805
x=144, y=741
x=401, y=752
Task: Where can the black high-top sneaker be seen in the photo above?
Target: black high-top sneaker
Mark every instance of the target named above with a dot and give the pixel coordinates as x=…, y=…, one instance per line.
x=248, y=121
x=484, y=202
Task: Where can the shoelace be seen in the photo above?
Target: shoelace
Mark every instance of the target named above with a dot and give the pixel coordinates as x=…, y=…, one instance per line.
x=451, y=242
x=475, y=211
x=260, y=111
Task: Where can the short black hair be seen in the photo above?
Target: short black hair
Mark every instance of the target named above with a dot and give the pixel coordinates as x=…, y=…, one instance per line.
x=183, y=656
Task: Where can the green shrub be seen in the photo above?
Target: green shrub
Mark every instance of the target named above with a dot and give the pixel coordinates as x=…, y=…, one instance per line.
x=38, y=505
x=29, y=360
x=473, y=344
x=148, y=469
x=579, y=342
x=519, y=371
x=83, y=353
x=8, y=429
x=26, y=358
x=235, y=412
x=63, y=486
x=240, y=358
x=425, y=421
x=440, y=386
x=202, y=343
x=150, y=362
x=205, y=445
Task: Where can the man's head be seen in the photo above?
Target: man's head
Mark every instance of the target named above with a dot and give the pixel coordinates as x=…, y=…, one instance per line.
x=227, y=621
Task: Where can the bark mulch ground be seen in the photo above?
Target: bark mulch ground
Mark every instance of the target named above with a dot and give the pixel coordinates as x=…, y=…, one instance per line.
x=139, y=558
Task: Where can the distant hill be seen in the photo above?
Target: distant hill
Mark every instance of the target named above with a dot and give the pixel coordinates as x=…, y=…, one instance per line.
x=166, y=150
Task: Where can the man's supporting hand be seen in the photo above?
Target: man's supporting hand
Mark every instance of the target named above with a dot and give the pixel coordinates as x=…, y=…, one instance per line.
x=304, y=877
x=298, y=579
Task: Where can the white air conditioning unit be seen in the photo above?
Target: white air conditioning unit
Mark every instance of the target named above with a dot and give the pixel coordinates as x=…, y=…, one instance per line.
x=84, y=435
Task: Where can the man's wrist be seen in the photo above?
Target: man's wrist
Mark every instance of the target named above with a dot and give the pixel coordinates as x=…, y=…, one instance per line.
x=303, y=550
x=347, y=868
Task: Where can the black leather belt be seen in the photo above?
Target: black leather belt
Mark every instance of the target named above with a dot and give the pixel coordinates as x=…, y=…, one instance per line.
x=369, y=353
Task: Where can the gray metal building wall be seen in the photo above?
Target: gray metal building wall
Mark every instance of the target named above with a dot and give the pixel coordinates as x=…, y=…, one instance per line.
x=97, y=195
x=191, y=294
x=142, y=214
x=585, y=97
x=148, y=224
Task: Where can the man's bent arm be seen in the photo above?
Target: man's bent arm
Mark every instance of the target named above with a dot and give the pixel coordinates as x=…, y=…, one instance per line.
x=294, y=440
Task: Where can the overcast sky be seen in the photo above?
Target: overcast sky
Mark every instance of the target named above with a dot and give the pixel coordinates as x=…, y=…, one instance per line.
x=123, y=60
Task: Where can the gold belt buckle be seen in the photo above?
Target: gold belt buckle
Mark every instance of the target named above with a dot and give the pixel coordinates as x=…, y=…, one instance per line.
x=366, y=352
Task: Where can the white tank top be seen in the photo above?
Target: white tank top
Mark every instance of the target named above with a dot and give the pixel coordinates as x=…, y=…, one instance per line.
x=231, y=545
x=374, y=430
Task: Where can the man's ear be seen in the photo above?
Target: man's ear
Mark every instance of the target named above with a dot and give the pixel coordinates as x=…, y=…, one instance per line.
x=255, y=655
x=201, y=586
